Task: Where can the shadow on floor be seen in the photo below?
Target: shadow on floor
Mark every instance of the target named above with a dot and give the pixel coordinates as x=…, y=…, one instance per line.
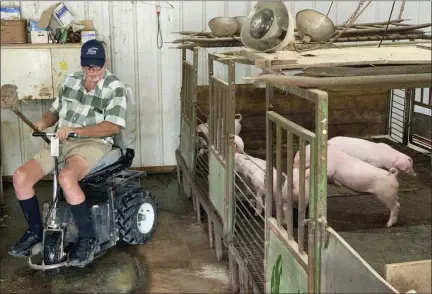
x=177, y=260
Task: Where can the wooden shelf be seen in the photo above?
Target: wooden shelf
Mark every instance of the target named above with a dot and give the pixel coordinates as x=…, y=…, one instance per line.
x=42, y=46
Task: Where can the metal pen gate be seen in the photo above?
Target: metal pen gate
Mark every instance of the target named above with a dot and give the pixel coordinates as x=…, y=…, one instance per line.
x=403, y=105
x=221, y=136
x=284, y=252
x=423, y=102
x=399, y=114
x=186, y=153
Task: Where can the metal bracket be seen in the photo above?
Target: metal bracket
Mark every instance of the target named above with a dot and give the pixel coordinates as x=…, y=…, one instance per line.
x=323, y=226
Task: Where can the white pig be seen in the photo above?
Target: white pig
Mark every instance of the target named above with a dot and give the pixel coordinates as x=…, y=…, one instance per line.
x=360, y=176
x=204, y=129
x=253, y=169
x=296, y=187
x=239, y=144
x=378, y=154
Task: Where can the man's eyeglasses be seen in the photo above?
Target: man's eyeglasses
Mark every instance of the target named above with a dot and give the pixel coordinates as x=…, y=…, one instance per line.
x=93, y=67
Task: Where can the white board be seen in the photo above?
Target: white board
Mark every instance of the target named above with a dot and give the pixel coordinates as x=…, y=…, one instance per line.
x=344, y=271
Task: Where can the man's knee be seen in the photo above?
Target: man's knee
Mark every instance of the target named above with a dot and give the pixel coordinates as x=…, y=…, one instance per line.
x=67, y=179
x=27, y=175
x=20, y=177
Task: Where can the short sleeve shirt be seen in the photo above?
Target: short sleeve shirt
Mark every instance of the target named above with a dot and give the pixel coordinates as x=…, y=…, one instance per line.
x=76, y=107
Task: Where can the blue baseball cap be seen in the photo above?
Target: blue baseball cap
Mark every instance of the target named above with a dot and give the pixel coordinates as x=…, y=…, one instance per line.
x=92, y=53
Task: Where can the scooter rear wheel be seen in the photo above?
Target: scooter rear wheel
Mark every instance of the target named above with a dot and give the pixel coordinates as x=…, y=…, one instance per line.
x=138, y=215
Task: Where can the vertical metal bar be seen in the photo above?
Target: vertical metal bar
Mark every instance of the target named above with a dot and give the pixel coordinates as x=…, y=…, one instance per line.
x=193, y=123
x=278, y=195
x=225, y=127
x=211, y=102
x=188, y=93
x=229, y=171
x=321, y=131
x=182, y=94
x=269, y=180
x=289, y=204
x=218, y=116
x=430, y=96
x=407, y=115
x=409, y=102
x=301, y=199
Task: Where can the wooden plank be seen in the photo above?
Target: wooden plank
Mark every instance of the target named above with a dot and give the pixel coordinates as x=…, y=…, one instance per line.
x=345, y=271
x=425, y=46
x=414, y=275
x=342, y=56
x=339, y=71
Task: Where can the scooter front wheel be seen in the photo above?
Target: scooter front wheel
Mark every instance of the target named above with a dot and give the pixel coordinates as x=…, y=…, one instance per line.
x=53, y=247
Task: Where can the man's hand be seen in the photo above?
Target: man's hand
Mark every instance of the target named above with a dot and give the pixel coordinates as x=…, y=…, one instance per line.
x=64, y=132
x=40, y=125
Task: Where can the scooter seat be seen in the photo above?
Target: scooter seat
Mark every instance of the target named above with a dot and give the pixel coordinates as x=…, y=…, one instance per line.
x=111, y=157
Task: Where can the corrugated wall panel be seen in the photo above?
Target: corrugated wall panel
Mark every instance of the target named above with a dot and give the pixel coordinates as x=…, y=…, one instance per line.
x=130, y=30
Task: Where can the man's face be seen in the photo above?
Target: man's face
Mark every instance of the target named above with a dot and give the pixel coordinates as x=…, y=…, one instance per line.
x=93, y=73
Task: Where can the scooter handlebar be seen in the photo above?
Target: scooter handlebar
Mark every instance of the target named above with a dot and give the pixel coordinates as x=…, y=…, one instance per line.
x=43, y=134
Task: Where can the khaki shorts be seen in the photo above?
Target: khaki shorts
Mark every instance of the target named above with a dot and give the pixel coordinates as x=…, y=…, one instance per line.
x=91, y=149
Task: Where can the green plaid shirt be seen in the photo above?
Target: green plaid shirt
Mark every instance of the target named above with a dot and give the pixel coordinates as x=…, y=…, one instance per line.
x=76, y=107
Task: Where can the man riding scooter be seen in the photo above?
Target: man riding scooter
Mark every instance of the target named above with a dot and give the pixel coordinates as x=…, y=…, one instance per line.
x=91, y=103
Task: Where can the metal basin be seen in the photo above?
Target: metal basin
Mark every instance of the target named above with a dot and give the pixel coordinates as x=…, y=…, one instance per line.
x=223, y=26
x=314, y=26
x=240, y=20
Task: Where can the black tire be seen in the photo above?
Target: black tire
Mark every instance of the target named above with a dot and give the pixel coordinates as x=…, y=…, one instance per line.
x=52, y=248
x=128, y=211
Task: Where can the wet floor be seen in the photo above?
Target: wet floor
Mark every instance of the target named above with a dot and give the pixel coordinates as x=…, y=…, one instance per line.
x=177, y=260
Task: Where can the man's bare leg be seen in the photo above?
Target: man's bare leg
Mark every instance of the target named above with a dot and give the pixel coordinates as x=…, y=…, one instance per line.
x=75, y=170
x=24, y=179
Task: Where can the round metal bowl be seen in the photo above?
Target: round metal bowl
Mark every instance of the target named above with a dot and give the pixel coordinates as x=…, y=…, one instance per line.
x=240, y=20
x=223, y=26
x=314, y=26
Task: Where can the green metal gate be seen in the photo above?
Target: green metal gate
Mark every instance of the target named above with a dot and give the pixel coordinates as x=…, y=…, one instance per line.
x=221, y=137
x=188, y=96
x=288, y=269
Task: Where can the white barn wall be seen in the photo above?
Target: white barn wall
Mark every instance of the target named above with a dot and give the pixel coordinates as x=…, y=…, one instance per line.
x=130, y=30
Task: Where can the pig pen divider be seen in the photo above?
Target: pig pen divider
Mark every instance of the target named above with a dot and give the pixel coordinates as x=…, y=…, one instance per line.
x=193, y=156
x=221, y=138
x=186, y=152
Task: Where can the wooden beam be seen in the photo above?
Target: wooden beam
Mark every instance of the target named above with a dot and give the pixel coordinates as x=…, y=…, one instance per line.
x=340, y=83
x=408, y=54
x=340, y=71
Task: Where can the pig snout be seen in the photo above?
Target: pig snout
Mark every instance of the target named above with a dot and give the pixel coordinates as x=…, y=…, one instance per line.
x=405, y=164
x=411, y=172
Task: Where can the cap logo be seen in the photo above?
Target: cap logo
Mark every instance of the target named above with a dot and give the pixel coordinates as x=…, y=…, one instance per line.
x=92, y=51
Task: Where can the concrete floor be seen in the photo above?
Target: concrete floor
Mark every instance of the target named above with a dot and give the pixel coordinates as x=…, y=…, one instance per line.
x=177, y=260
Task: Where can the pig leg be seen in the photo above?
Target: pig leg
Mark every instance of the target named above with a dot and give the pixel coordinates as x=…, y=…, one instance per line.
x=392, y=203
x=337, y=183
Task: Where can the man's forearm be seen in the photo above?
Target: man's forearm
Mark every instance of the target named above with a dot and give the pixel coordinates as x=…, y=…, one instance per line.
x=49, y=119
x=104, y=129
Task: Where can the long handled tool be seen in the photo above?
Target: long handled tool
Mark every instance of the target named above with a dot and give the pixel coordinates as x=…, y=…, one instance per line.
x=9, y=100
